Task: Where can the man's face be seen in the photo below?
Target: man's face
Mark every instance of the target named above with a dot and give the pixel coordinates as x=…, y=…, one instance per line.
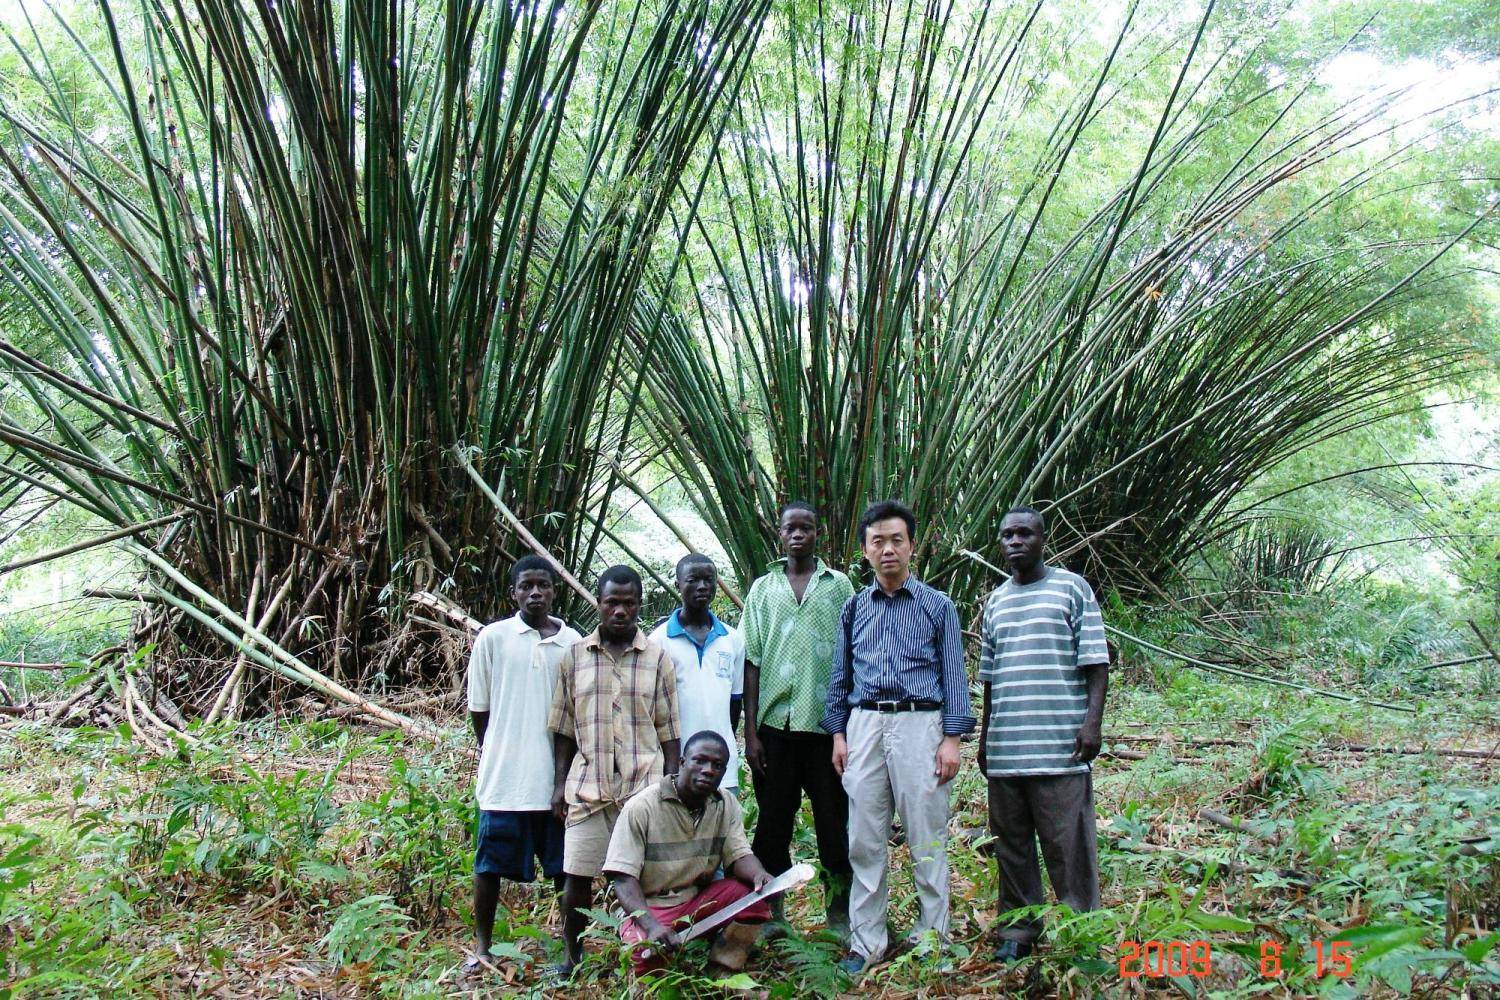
x=703, y=767
x=799, y=533
x=888, y=547
x=1022, y=537
x=696, y=583
x=533, y=592
x=619, y=607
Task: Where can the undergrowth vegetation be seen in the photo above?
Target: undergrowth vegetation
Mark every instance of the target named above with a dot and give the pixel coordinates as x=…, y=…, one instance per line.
x=311, y=858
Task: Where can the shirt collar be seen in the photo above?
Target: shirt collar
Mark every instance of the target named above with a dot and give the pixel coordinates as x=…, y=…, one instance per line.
x=910, y=585
x=594, y=642
x=669, y=791
x=519, y=627
x=675, y=629
x=819, y=569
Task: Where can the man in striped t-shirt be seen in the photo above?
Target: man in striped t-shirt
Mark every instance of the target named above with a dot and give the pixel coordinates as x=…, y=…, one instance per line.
x=1045, y=669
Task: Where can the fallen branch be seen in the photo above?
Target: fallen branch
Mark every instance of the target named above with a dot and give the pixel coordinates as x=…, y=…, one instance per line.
x=1215, y=667
x=105, y=539
x=1364, y=748
x=271, y=654
x=1458, y=662
x=1485, y=642
x=520, y=529
x=448, y=609
x=661, y=516
x=1237, y=825
x=23, y=665
x=1123, y=843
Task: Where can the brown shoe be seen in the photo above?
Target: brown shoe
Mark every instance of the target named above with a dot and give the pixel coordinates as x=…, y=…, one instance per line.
x=732, y=947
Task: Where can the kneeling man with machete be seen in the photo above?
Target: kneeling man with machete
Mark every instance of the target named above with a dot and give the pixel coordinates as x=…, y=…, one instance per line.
x=669, y=842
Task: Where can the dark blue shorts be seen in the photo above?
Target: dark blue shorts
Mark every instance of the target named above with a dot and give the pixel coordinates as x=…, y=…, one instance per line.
x=509, y=841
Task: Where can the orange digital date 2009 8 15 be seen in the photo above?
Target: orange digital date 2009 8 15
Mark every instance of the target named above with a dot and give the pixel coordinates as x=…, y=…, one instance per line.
x=1196, y=959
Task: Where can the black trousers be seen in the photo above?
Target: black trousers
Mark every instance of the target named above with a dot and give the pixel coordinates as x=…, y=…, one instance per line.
x=1058, y=810
x=797, y=763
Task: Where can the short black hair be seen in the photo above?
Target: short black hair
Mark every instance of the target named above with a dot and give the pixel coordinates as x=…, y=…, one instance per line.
x=884, y=510
x=1022, y=508
x=531, y=562
x=797, y=505
x=619, y=574
x=694, y=559
x=706, y=736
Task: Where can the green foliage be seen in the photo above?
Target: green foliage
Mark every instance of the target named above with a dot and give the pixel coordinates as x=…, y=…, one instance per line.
x=206, y=817
x=412, y=833
x=369, y=931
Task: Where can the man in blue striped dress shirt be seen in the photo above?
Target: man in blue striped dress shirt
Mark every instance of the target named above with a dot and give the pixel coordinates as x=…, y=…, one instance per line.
x=1045, y=668
x=898, y=701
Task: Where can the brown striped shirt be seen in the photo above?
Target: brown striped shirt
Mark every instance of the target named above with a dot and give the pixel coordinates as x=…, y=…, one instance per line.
x=619, y=712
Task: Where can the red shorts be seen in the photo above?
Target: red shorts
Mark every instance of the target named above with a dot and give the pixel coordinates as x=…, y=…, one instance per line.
x=719, y=894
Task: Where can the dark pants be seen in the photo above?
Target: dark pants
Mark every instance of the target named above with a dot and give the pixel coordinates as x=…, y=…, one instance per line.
x=1058, y=810
x=797, y=763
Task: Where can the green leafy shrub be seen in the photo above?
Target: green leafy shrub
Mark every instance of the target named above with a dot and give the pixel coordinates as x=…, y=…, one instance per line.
x=369, y=931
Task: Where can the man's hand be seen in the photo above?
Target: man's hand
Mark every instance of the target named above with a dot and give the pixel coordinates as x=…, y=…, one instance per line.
x=840, y=753
x=761, y=879
x=559, y=804
x=1086, y=743
x=659, y=934
x=947, y=760
x=755, y=753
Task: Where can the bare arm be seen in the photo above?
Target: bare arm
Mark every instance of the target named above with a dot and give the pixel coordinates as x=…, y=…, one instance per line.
x=564, y=748
x=1086, y=745
x=671, y=756
x=984, y=733
x=628, y=891
x=734, y=715
x=750, y=871
x=480, y=722
x=755, y=755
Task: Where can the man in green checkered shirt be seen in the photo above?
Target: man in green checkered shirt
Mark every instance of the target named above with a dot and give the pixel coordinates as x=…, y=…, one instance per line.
x=790, y=622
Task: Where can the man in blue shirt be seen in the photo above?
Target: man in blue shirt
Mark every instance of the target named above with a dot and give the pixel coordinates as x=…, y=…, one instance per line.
x=898, y=701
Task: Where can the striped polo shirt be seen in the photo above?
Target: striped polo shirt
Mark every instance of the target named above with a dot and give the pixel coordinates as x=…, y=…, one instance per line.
x=1036, y=640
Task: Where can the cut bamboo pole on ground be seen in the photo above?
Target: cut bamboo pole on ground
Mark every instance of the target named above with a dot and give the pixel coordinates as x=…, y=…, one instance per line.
x=1237, y=825
x=265, y=651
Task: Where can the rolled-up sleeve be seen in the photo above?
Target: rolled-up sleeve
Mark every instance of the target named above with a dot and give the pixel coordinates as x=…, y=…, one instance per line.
x=958, y=716
x=560, y=719
x=665, y=718
x=836, y=717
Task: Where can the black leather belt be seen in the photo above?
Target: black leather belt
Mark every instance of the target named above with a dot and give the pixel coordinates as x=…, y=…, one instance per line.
x=909, y=705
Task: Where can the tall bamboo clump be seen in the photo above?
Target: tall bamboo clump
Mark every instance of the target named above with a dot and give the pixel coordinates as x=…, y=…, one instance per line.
x=307, y=261
x=930, y=278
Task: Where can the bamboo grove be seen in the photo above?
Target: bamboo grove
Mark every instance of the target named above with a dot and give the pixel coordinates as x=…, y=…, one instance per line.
x=317, y=303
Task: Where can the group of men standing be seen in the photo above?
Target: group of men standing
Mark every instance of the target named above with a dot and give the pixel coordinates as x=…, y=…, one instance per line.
x=616, y=753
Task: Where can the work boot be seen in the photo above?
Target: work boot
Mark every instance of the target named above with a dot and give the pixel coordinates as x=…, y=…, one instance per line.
x=836, y=897
x=731, y=948
x=776, y=928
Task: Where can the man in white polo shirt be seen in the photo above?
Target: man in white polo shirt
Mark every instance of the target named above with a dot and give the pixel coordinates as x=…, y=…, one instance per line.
x=512, y=673
x=709, y=657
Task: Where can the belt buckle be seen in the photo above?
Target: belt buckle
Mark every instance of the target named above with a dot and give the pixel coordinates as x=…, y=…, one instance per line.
x=887, y=706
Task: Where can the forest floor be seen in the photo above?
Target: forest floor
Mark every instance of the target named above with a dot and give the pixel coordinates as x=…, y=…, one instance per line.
x=316, y=859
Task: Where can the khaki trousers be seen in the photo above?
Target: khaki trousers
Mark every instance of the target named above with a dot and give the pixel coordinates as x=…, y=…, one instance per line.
x=891, y=761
